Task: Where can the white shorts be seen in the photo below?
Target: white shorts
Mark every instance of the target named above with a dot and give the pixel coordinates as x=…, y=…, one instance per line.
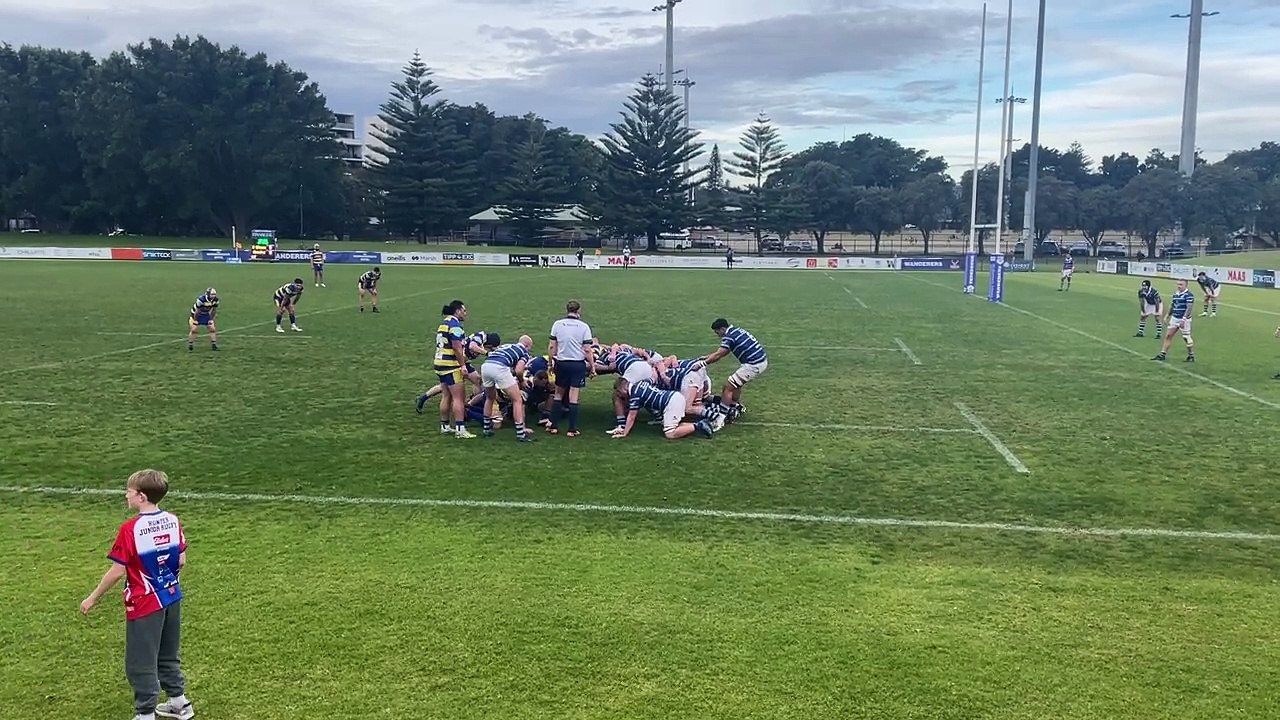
x=1148, y=309
x=494, y=375
x=1213, y=294
x=1181, y=324
x=673, y=415
x=696, y=380
x=638, y=372
x=1067, y=273
x=747, y=372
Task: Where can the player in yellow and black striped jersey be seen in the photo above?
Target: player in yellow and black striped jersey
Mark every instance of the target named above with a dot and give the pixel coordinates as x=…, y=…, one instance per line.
x=317, y=265
x=286, y=298
x=369, y=283
x=203, y=312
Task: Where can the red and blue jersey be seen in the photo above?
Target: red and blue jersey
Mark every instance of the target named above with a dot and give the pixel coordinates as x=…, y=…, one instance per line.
x=148, y=546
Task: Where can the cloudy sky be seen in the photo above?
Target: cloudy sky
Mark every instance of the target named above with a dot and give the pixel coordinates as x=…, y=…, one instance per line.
x=820, y=68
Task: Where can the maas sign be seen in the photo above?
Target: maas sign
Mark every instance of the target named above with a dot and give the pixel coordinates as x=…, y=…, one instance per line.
x=621, y=260
x=1237, y=276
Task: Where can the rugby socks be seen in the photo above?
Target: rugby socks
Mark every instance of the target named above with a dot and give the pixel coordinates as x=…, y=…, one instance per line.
x=293, y=319
x=460, y=426
x=620, y=420
x=573, y=417
x=709, y=412
x=488, y=425
x=521, y=430
x=191, y=345
x=1159, y=328
x=557, y=413
x=279, y=317
x=1213, y=308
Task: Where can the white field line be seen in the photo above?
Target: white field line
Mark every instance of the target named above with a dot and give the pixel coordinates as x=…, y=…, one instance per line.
x=148, y=346
x=655, y=511
x=859, y=428
x=1173, y=366
x=914, y=360
x=788, y=347
x=294, y=336
x=1000, y=447
x=27, y=402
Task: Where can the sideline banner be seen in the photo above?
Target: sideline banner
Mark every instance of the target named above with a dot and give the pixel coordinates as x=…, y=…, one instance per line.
x=126, y=253
x=1228, y=275
x=523, y=260
x=150, y=254
x=187, y=255
x=930, y=263
x=457, y=258
x=412, y=258
x=345, y=257
x=55, y=253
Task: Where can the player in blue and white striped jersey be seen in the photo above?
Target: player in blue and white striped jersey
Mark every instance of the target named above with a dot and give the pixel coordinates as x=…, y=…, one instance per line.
x=1150, y=305
x=751, y=356
x=501, y=370
x=1212, y=290
x=1068, y=267
x=669, y=405
x=1179, y=321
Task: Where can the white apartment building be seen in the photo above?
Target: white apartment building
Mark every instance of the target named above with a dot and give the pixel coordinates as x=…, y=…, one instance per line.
x=344, y=127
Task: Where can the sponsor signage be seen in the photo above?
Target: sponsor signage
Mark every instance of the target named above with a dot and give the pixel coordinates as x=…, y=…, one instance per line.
x=412, y=258
x=55, y=253
x=456, y=258
x=344, y=257
x=490, y=259
x=1122, y=267
x=149, y=254
x=1238, y=276
x=620, y=260
x=995, y=293
x=1264, y=278
x=217, y=255
x=1019, y=266
x=523, y=260
x=970, y=273
x=929, y=264
x=1163, y=269
x=126, y=253
x=187, y=255
x=299, y=256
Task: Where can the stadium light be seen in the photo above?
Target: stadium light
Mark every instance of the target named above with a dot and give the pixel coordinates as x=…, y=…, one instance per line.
x=1191, y=94
x=670, y=8
x=686, y=83
x=1033, y=159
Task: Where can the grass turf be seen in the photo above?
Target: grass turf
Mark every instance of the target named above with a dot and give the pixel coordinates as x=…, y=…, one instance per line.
x=453, y=612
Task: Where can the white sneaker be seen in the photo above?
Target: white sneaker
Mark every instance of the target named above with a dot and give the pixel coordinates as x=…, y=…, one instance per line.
x=323, y=285
x=1204, y=314
x=297, y=329
x=1213, y=314
x=317, y=284
x=168, y=710
x=446, y=430
x=717, y=423
x=279, y=329
x=463, y=434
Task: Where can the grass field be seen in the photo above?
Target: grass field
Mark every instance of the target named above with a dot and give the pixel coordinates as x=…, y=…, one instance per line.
x=859, y=547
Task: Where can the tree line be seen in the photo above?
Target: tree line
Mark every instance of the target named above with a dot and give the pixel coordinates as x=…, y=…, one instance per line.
x=187, y=137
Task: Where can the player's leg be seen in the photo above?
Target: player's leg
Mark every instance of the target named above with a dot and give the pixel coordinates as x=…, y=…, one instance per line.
x=512, y=390
x=620, y=388
x=1142, y=324
x=673, y=425
x=1175, y=327
x=280, y=310
x=373, y=298
x=360, y=291
x=458, y=405
x=422, y=400
x=191, y=334
x=572, y=396
x=1191, y=344
x=213, y=334
x=1213, y=308
x=489, y=387
x=446, y=411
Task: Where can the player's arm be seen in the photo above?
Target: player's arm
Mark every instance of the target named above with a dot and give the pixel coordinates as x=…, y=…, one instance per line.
x=459, y=348
x=716, y=356
x=552, y=347
x=589, y=352
x=626, y=428
x=109, y=579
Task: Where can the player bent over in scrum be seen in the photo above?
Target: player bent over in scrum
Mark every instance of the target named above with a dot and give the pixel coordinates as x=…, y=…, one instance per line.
x=499, y=372
x=666, y=404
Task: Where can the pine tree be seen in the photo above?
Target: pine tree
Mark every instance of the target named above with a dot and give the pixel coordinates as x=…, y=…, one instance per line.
x=710, y=202
x=715, y=170
x=426, y=174
x=762, y=153
x=646, y=189
x=528, y=191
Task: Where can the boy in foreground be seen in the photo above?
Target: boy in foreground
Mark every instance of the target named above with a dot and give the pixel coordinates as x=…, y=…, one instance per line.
x=149, y=551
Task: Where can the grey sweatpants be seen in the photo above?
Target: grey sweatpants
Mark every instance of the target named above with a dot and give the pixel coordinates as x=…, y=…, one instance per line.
x=151, y=657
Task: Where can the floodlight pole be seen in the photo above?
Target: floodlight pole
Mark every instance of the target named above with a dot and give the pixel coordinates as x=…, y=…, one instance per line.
x=1033, y=161
x=1004, y=119
x=670, y=8
x=686, y=83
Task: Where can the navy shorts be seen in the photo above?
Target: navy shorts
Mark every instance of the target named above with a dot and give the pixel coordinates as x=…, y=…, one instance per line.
x=571, y=373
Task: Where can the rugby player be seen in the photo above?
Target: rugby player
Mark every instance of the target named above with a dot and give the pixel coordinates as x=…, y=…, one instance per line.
x=368, y=282
x=450, y=352
x=1068, y=267
x=1212, y=290
x=477, y=344
x=1150, y=305
x=539, y=382
x=571, y=344
x=203, y=312
x=1179, y=321
x=499, y=374
x=317, y=264
x=668, y=405
x=751, y=356
x=286, y=299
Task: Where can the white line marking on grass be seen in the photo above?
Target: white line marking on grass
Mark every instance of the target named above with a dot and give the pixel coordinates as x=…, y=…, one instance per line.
x=792, y=347
x=1000, y=447
x=1175, y=367
x=295, y=336
x=914, y=360
x=148, y=346
x=27, y=402
x=858, y=428
x=780, y=517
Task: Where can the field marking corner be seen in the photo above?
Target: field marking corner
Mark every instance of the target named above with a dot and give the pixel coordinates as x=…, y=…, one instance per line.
x=982, y=429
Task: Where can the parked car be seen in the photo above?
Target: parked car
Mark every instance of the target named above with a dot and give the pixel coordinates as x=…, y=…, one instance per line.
x=800, y=246
x=1049, y=247
x=1111, y=249
x=771, y=243
x=1080, y=248
x=708, y=242
x=1174, y=251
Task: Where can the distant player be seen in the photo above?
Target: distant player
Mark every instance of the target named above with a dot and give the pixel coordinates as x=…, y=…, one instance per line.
x=286, y=299
x=728, y=258
x=317, y=265
x=203, y=312
x=751, y=356
x=1179, y=321
x=668, y=405
x=500, y=373
x=626, y=256
x=369, y=283
x=1277, y=375
x=1150, y=305
x=581, y=264
x=450, y=354
x=1068, y=267
x=1212, y=289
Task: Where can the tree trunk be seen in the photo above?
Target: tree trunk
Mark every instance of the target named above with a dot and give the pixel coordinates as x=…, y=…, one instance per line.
x=875, y=239
x=820, y=236
x=926, y=236
x=653, y=241
x=1150, y=240
x=982, y=242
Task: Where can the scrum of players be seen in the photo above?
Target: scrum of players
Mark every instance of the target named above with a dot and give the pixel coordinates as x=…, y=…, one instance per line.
x=509, y=383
